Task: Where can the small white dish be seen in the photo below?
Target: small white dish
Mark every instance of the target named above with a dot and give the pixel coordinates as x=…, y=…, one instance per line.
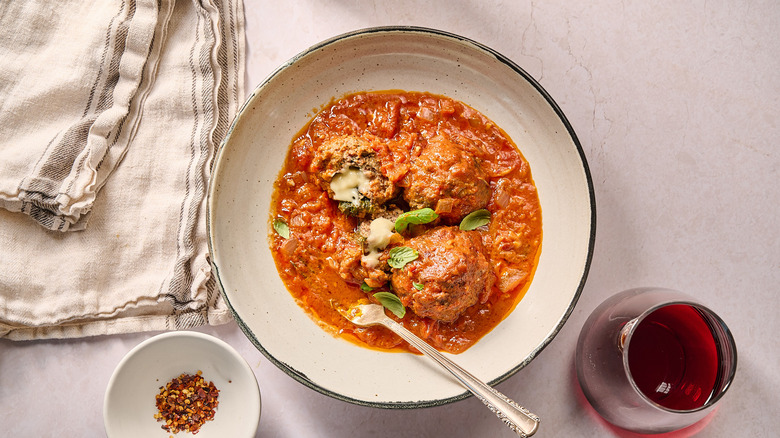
x=129, y=406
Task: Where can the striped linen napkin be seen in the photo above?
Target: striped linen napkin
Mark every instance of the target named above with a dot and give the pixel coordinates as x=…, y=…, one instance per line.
x=110, y=113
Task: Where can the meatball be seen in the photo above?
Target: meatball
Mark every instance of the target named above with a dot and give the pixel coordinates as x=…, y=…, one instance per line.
x=448, y=179
x=450, y=275
x=350, y=171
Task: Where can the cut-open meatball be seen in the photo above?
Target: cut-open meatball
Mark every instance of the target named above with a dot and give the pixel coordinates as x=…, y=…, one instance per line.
x=448, y=179
x=351, y=173
x=450, y=275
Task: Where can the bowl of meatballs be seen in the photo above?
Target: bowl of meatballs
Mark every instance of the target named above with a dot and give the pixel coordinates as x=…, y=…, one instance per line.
x=410, y=168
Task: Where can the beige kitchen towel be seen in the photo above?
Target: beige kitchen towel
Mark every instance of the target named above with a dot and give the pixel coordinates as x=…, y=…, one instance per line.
x=110, y=113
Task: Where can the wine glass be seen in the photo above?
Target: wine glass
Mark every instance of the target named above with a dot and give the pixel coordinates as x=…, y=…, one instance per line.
x=653, y=360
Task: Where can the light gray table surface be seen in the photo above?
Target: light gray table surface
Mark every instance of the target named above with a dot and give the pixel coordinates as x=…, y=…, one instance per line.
x=676, y=105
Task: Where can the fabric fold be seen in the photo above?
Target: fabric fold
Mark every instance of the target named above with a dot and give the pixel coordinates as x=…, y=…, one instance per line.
x=91, y=63
x=125, y=140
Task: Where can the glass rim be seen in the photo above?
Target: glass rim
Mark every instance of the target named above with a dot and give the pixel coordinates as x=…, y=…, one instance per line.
x=724, y=334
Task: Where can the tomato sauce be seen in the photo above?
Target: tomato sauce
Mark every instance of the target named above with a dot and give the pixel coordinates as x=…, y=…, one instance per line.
x=319, y=261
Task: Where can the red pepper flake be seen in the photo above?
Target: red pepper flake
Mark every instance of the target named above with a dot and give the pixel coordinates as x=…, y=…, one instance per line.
x=186, y=403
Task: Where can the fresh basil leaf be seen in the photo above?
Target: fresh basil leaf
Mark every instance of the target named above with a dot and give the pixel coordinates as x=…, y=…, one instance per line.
x=421, y=216
x=475, y=219
x=401, y=255
x=391, y=302
x=418, y=286
x=365, y=288
x=281, y=228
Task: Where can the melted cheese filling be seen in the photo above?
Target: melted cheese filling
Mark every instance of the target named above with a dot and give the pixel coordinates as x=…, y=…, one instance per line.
x=379, y=234
x=348, y=184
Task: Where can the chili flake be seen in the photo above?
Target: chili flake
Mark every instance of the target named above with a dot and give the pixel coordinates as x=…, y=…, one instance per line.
x=186, y=403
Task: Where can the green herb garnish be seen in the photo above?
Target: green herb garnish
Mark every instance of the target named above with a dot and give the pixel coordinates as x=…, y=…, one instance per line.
x=475, y=219
x=359, y=209
x=421, y=216
x=401, y=255
x=365, y=288
x=418, y=286
x=391, y=302
x=281, y=228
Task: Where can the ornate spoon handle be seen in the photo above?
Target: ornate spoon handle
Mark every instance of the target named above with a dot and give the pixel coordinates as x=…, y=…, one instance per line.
x=518, y=418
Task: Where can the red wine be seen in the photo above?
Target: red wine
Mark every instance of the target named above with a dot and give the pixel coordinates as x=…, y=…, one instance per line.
x=673, y=357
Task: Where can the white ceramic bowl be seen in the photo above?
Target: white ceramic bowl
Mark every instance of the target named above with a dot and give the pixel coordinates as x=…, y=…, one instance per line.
x=129, y=405
x=411, y=59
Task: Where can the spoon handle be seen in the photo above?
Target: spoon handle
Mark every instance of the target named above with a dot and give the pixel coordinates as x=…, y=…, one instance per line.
x=518, y=418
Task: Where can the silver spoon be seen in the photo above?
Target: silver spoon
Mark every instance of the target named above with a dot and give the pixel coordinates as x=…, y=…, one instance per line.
x=518, y=418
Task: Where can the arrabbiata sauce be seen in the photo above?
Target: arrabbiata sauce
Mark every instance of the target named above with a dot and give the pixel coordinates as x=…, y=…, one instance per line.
x=412, y=200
